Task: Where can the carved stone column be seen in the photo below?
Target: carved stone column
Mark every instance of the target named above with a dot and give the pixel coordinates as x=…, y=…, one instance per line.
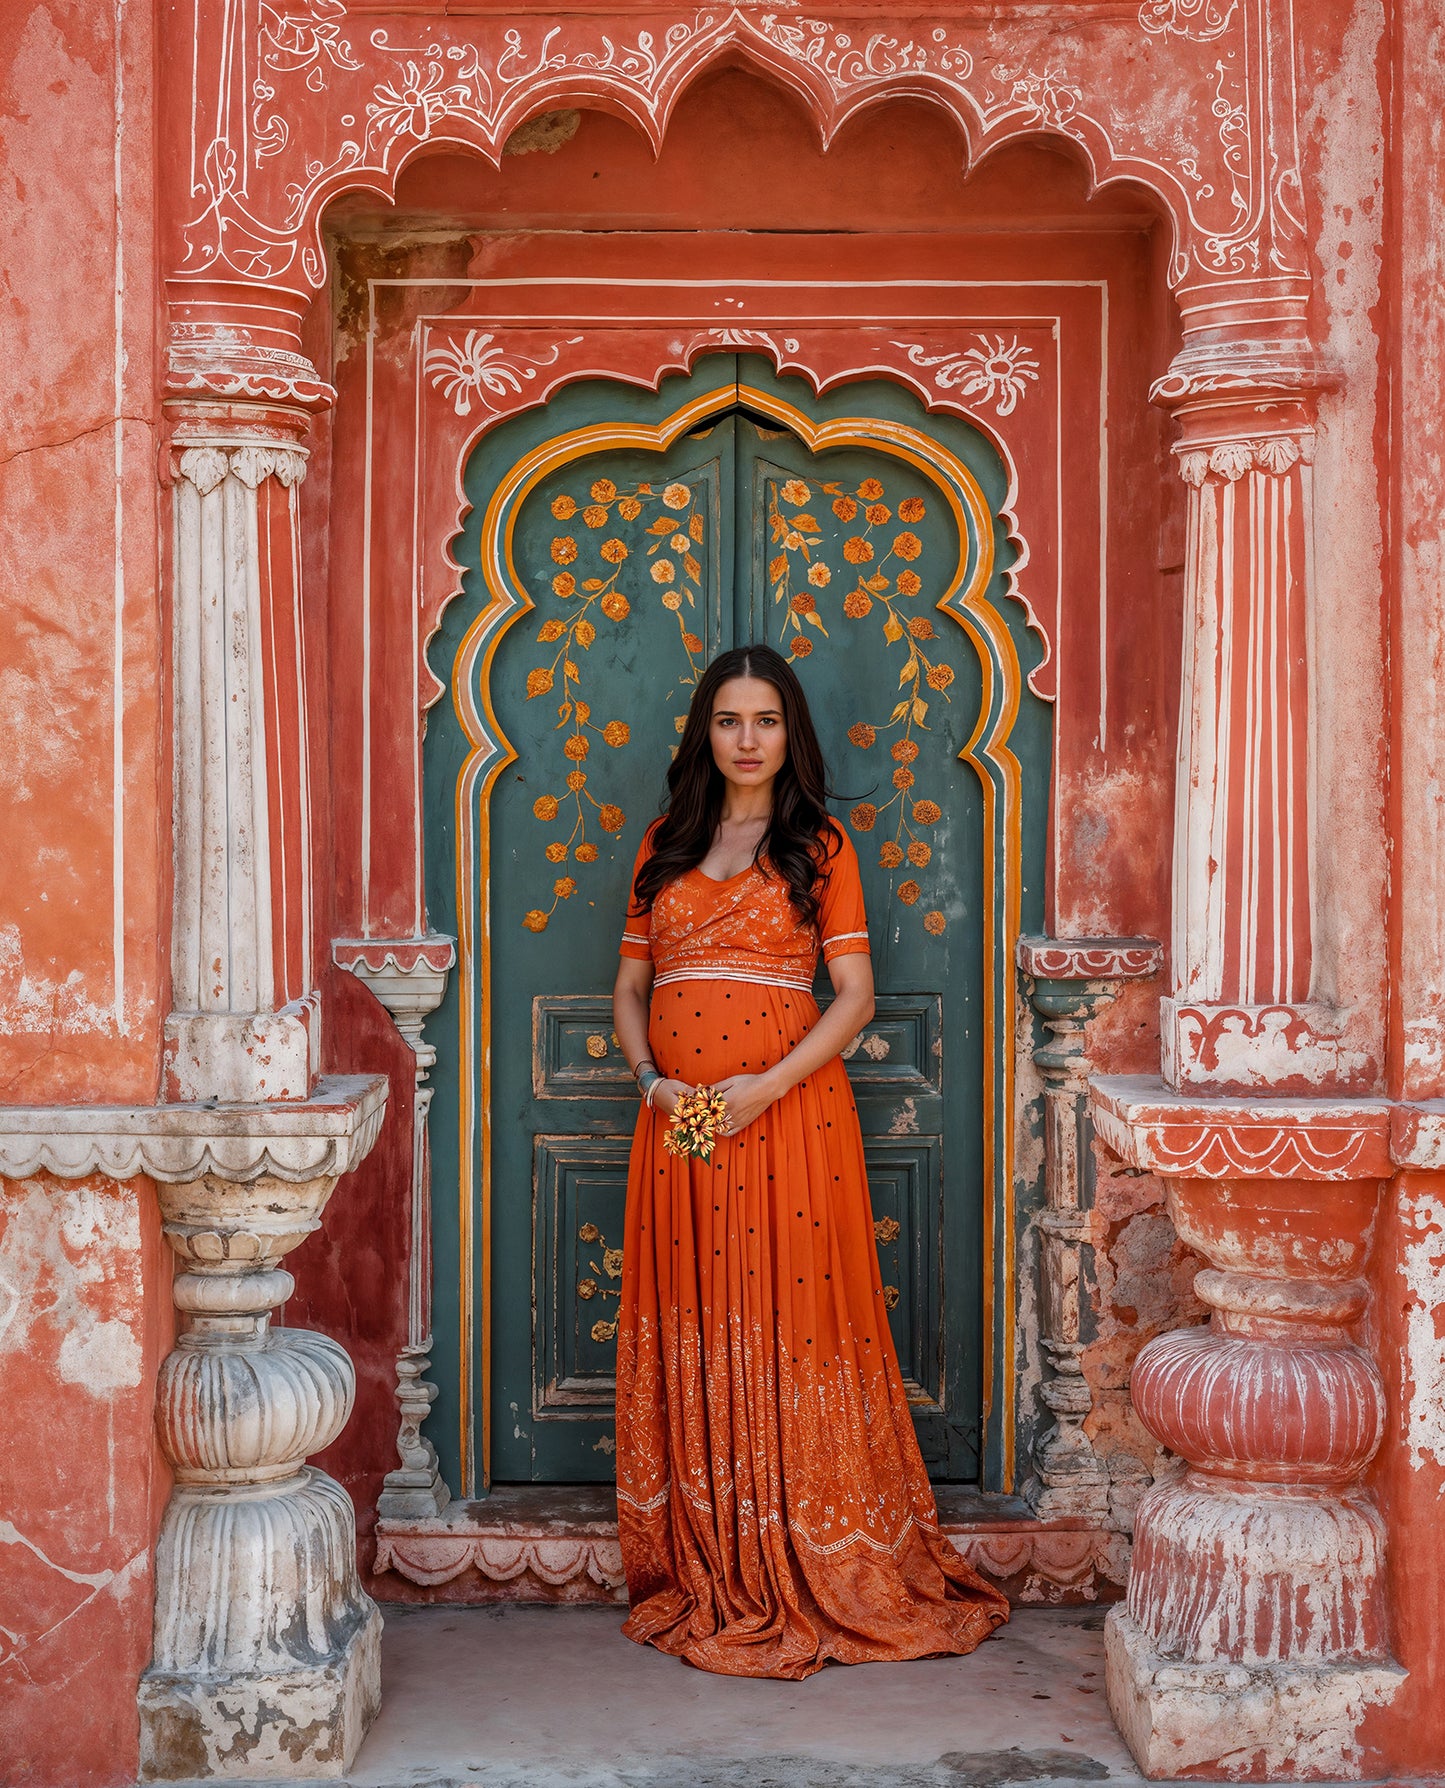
x=1070, y=979
x=409, y=977
x=1254, y=1640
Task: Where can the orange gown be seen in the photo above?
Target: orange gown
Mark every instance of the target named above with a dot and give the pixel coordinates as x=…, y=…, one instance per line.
x=772, y=1502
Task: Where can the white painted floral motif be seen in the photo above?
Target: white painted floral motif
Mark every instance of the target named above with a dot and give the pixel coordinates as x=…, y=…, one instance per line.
x=473, y=370
x=997, y=371
x=1200, y=20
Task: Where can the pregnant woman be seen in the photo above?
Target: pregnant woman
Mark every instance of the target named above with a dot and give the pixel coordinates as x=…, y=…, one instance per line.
x=774, y=1510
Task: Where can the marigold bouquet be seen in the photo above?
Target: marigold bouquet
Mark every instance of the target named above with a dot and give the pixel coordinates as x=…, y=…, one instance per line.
x=697, y=1122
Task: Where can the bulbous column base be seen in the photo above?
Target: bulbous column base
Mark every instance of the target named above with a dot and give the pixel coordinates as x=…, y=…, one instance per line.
x=267, y=1651
x=1245, y=1723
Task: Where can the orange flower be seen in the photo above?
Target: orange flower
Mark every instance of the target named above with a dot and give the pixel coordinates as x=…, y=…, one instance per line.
x=564, y=549
x=672, y=599
x=861, y=734
x=792, y=540
x=856, y=550
x=909, y=583
x=692, y=642
x=870, y=490
x=819, y=574
x=564, y=584
x=549, y=631
x=890, y=856
x=617, y=732
x=934, y=922
x=796, y=492
x=856, y=605
x=576, y=748
x=920, y=854
x=610, y=818
x=545, y=807
x=903, y=777
x=677, y=496
x=595, y=516
x=663, y=571
x=907, y=546
x=603, y=491
x=615, y=606
x=614, y=551
x=584, y=633
x=564, y=508
x=904, y=751
x=556, y=852
x=940, y=676
x=878, y=513
x=564, y=887
x=844, y=508
x=629, y=509
x=679, y=543
x=908, y=892
x=576, y=779
x=538, y=682
x=920, y=626
x=927, y=813
x=912, y=509
x=804, y=604
x=801, y=648
x=586, y=853
x=535, y=920
x=864, y=816
x=644, y=490
x=695, y=524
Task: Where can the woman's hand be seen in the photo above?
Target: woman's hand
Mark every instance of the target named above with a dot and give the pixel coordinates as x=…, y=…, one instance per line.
x=668, y=1093
x=748, y=1096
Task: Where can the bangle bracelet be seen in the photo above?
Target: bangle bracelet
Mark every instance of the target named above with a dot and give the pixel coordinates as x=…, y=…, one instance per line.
x=647, y=1077
x=649, y=1090
x=646, y=1062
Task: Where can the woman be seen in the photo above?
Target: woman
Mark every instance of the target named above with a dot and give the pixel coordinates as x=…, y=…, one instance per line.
x=773, y=1507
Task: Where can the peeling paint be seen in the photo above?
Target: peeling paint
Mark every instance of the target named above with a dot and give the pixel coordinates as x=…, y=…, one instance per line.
x=1422, y=1221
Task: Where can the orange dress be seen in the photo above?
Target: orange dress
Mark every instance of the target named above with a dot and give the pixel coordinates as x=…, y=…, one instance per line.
x=772, y=1503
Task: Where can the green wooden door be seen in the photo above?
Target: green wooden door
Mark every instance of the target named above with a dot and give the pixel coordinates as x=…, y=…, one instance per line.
x=641, y=566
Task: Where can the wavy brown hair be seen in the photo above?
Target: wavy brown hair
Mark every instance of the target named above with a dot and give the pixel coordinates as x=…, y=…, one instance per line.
x=801, y=835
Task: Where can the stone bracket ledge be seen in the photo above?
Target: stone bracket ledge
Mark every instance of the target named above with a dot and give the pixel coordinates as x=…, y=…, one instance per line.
x=1090, y=958
x=302, y=1139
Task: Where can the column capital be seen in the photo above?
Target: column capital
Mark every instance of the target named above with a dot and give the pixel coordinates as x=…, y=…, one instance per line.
x=232, y=341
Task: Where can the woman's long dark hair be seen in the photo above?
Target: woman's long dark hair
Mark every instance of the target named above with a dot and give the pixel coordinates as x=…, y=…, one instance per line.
x=801, y=835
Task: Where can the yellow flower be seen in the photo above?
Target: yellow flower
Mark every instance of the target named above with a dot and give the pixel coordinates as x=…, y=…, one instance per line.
x=692, y=642
x=844, y=508
x=878, y=513
x=549, y=631
x=672, y=599
x=586, y=853
x=614, y=551
x=908, y=892
x=927, y=813
x=904, y=751
x=920, y=854
x=663, y=571
x=629, y=509
x=934, y=922
x=564, y=508
x=856, y=550
x=564, y=887
x=920, y=627
x=856, y=605
x=615, y=606
x=909, y=583
x=864, y=816
x=940, y=676
x=796, y=492
x=677, y=496
x=545, y=807
x=556, y=852
x=584, y=633
x=603, y=491
x=861, y=734
x=564, y=584
x=801, y=648
x=576, y=748
x=911, y=509
x=538, y=682
x=695, y=524
x=535, y=920
x=804, y=604
x=576, y=779
x=890, y=856
x=564, y=549
x=610, y=818
x=903, y=777
x=595, y=516
x=819, y=574
x=870, y=490
x=907, y=546
x=617, y=732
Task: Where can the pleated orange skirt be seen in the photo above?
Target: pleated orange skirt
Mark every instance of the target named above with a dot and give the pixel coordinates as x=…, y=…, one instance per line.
x=773, y=1506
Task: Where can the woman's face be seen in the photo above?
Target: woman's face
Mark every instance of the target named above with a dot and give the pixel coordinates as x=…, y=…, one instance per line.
x=748, y=737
